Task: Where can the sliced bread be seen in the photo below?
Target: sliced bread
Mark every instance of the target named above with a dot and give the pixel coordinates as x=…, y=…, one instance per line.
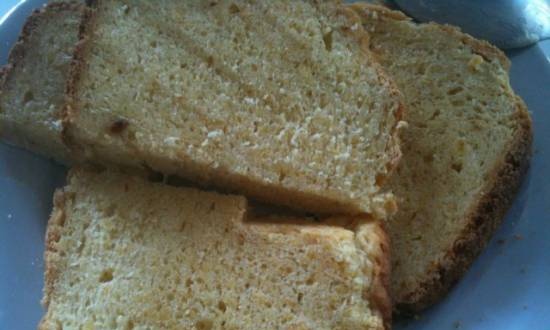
x=464, y=153
x=124, y=253
x=277, y=100
x=32, y=84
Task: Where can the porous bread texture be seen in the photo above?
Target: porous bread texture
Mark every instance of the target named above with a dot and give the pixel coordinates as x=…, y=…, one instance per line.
x=32, y=83
x=276, y=100
x=465, y=151
x=123, y=253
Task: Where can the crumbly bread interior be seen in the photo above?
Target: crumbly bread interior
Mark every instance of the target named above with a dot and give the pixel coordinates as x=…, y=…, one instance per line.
x=277, y=100
x=466, y=128
x=123, y=253
x=32, y=86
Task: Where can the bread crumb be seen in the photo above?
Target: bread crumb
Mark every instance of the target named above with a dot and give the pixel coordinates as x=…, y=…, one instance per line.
x=402, y=124
x=171, y=140
x=214, y=134
x=475, y=62
x=343, y=156
x=251, y=100
x=56, y=124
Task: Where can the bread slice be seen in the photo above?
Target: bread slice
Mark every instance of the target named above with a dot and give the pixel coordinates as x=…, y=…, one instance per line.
x=279, y=101
x=464, y=153
x=123, y=253
x=32, y=84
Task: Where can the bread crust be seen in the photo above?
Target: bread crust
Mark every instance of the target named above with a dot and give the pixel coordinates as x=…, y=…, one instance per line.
x=77, y=63
x=495, y=198
x=365, y=229
x=33, y=21
x=485, y=216
x=480, y=47
x=19, y=50
x=52, y=270
x=380, y=290
x=220, y=178
x=369, y=237
x=14, y=134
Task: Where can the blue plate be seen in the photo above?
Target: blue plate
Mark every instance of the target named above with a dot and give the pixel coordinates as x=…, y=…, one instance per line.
x=508, y=287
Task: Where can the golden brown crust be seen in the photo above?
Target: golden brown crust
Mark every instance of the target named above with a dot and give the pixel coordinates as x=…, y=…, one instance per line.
x=77, y=65
x=384, y=12
x=496, y=196
x=480, y=47
x=51, y=258
x=19, y=49
x=370, y=237
x=33, y=21
x=485, y=217
x=371, y=244
x=16, y=133
x=380, y=290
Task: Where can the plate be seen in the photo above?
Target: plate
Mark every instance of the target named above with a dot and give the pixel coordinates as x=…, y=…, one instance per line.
x=508, y=287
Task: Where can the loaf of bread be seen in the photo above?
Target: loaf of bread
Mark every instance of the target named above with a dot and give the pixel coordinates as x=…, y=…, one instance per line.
x=464, y=153
x=279, y=101
x=124, y=253
x=32, y=84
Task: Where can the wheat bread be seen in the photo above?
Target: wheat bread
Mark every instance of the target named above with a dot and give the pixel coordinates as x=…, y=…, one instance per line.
x=124, y=253
x=32, y=83
x=464, y=153
x=279, y=101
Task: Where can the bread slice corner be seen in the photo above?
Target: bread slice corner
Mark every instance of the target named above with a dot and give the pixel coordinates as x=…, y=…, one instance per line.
x=465, y=151
x=32, y=83
x=122, y=252
x=262, y=111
